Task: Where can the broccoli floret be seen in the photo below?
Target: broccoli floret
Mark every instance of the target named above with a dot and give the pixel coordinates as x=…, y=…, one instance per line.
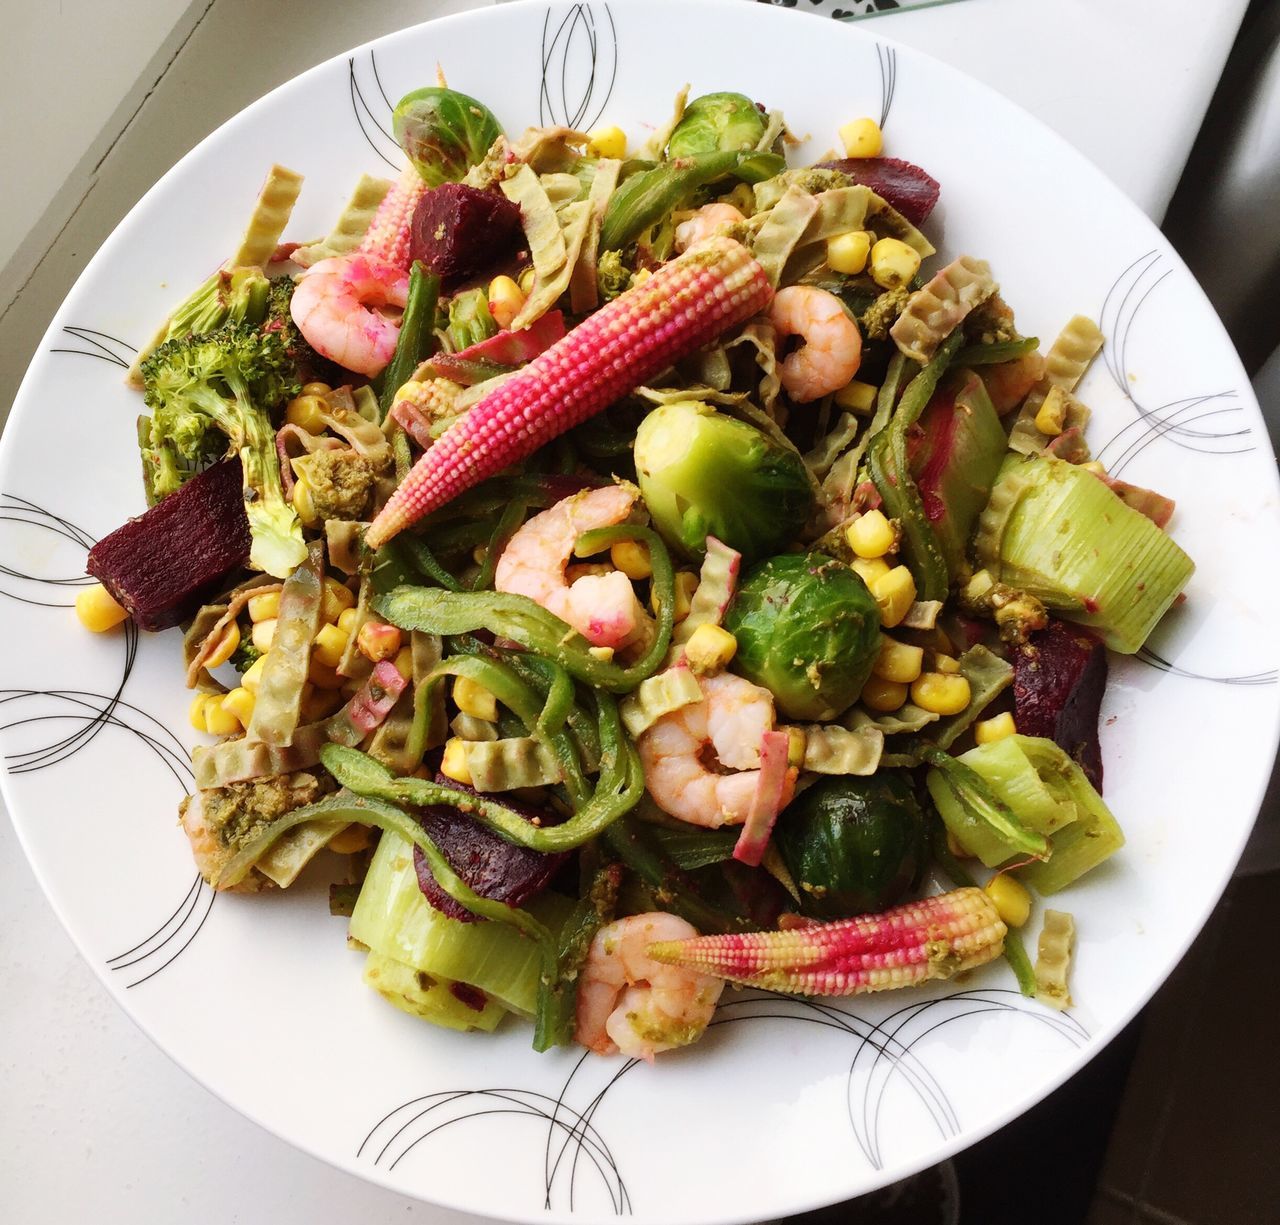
x=245, y=655
x=308, y=365
x=612, y=275
x=227, y=382
x=230, y=295
x=883, y=313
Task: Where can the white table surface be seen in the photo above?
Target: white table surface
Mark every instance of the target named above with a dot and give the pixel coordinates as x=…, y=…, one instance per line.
x=96, y=1124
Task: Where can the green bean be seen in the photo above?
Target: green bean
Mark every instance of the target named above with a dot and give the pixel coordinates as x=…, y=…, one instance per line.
x=424, y=560
x=999, y=351
x=417, y=339
x=509, y=521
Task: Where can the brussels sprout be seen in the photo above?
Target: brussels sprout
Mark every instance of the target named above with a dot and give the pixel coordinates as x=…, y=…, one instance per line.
x=702, y=473
x=853, y=845
x=443, y=132
x=808, y=630
x=717, y=123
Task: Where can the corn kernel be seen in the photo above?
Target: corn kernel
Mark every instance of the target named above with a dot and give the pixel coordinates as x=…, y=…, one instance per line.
x=604, y=654
x=940, y=694
x=862, y=138
x=1010, y=898
x=304, y=502
x=797, y=742
x=454, y=762
x=639, y=277
x=475, y=700
x=871, y=535
x=893, y=263
x=526, y=280
x=505, y=300
x=377, y=641
x=330, y=645
x=870, y=569
x=883, y=696
x=264, y=633
x=898, y=661
x=240, y=703
x=988, y=731
x=895, y=592
x=709, y=649
x=324, y=676
x=347, y=620
x=857, y=397
x=632, y=558
x=607, y=142
x=404, y=663
x=848, y=253
x=948, y=665
x=264, y=607
x=337, y=598
x=350, y=841
x=196, y=711
x=1052, y=413
x=686, y=583
x=219, y=721
x=98, y=611
x=225, y=648
x=306, y=412
x=253, y=674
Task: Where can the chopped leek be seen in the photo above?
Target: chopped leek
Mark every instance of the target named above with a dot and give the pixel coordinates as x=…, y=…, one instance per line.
x=435, y=999
x=977, y=817
x=1010, y=773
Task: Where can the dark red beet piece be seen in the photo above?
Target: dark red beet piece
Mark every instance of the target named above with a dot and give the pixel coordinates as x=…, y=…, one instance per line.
x=912, y=191
x=460, y=230
x=492, y=866
x=162, y=565
x=1058, y=682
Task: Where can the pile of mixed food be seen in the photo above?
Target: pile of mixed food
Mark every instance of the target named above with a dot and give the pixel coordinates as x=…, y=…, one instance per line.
x=643, y=570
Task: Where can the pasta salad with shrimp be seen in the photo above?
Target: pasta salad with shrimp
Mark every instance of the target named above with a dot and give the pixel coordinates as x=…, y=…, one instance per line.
x=632, y=571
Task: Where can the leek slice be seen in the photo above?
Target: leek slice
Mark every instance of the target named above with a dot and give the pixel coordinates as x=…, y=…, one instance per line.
x=430, y=997
x=976, y=816
x=1010, y=773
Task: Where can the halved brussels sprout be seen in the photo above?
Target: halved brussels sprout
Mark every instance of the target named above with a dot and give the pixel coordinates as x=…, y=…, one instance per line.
x=444, y=133
x=715, y=123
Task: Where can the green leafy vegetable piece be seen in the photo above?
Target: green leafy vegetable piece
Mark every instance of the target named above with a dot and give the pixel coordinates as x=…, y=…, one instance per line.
x=1015, y=779
x=443, y=132
x=717, y=123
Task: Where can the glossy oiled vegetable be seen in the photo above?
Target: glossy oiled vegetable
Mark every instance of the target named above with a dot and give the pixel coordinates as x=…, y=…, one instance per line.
x=713, y=123
x=703, y=473
x=443, y=132
x=808, y=630
x=853, y=845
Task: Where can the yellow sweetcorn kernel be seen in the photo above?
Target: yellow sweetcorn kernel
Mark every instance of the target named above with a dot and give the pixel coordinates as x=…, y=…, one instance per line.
x=848, y=253
x=306, y=412
x=857, y=397
x=330, y=644
x=898, y=661
x=226, y=646
x=797, y=742
x=940, y=694
x=1010, y=898
x=610, y=141
x=895, y=592
x=883, y=696
x=253, y=674
x=239, y=702
x=475, y=700
x=315, y=389
x=893, y=263
x=350, y=841
x=506, y=300
x=337, y=598
x=526, y=280
x=686, y=583
x=347, y=620
x=404, y=663
x=264, y=633
x=98, y=611
x=988, y=731
x=218, y=721
x=1052, y=414
x=871, y=535
x=304, y=502
x=946, y=664
x=264, y=607
x=195, y=712
x=862, y=138
x=604, y=654
x=870, y=569
x=454, y=762
x=632, y=558
x=709, y=650
x=377, y=641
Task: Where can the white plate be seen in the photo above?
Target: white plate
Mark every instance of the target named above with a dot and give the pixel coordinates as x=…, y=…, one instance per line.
x=809, y=1103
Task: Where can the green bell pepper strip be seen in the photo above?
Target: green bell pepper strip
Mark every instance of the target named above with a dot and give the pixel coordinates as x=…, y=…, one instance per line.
x=417, y=339
x=509, y=521
x=517, y=617
x=416, y=554
x=887, y=461
x=999, y=351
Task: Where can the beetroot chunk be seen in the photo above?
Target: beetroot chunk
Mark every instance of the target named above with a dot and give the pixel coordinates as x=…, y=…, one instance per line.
x=492, y=866
x=162, y=565
x=910, y=190
x=460, y=230
x=1058, y=682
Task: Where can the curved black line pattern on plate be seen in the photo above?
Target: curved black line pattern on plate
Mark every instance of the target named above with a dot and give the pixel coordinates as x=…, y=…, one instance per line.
x=101, y=345
x=374, y=125
x=76, y=717
x=579, y=66
x=1207, y=423
x=887, y=57
x=1148, y=656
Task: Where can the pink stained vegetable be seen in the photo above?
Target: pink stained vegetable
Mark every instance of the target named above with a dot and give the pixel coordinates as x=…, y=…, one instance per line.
x=374, y=699
x=509, y=348
x=390, y=231
x=772, y=794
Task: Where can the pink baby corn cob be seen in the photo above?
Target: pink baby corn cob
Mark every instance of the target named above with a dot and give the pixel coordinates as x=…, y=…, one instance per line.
x=684, y=305
x=388, y=234
x=910, y=944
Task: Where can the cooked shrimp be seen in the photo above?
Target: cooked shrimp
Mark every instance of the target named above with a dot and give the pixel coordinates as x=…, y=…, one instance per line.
x=602, y=607
x=208, y=848
x=832, y=349
x=1008, y=383
x=332, y=307
x=629, y=1003
x=727, y=725
x=709, y=220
